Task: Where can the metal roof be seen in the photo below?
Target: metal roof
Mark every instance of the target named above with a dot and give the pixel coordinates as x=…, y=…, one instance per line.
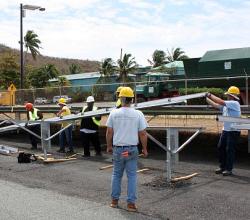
x=227, y=54
x=84, y=76
x=178, y=64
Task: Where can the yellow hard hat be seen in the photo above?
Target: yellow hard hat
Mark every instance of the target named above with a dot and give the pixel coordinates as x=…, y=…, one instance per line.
x=62, y=101
x=126, y=92
x=119, y=89
x=233, y=90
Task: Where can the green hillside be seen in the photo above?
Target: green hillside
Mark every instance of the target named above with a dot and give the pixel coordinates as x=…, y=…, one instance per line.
x=61, y=63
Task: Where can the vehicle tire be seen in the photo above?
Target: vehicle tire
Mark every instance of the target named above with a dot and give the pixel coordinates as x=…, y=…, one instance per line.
x=139, y=100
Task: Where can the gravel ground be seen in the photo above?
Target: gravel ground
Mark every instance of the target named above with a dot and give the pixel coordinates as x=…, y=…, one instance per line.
x=206, y=196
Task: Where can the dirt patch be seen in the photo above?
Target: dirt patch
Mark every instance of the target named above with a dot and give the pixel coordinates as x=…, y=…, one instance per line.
x=160, y=183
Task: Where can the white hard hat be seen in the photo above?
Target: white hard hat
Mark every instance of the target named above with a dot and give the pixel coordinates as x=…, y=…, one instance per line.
x=90, y=99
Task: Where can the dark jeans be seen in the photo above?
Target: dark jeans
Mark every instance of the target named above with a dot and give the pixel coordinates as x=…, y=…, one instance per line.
x=36, y=130
x=67, y=133
x=226, y=147
x=93, y=138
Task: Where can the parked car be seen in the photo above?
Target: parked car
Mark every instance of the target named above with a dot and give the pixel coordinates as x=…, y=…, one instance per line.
x=41, y=100
x=56, y=99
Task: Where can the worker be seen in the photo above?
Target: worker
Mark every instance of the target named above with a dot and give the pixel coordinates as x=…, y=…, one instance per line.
x=118, y=103
x=123, y=127
x=33, y=114
x=67, y=133
x=229, y=135
x=90, y=129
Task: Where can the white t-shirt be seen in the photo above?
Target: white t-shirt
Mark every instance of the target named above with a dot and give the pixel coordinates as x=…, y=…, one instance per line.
x=126, y=123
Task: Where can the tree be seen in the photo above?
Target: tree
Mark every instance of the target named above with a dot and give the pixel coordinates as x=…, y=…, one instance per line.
x=32, y=43
x=62, y=81
x=125, y=66
x=40, y=77
x=107, y=67
x=176, y=55
x=74, y=69
x=159, y=58
x=9, y=71
x=51, y=71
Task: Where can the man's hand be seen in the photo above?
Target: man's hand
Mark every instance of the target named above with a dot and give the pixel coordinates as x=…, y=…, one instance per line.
x=110, y=151
x=145, y=153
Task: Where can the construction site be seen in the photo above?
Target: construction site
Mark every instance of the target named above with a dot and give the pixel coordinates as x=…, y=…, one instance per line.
x=175, y=181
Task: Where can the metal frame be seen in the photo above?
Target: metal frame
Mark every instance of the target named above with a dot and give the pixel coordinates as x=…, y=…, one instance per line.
x=240, y=124
x=172, y=144
x=45, y=124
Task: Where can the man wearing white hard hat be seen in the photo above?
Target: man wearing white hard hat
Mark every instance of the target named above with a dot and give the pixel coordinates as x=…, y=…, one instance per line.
x=90, y=129
x=229, y=135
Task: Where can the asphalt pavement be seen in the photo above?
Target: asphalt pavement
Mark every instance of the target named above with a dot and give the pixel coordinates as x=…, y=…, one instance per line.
x=79, y=189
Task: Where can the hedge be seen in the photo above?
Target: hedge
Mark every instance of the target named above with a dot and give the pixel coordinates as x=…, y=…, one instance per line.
x=215, y=91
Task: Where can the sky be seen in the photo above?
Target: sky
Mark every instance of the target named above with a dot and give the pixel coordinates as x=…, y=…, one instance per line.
x=99, y=29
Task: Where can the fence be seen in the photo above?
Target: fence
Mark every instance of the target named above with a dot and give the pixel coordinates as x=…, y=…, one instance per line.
x=106, y=92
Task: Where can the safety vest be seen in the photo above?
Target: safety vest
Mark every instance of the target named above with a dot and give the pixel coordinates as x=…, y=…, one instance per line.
x=97, y=122
x=118, y=103
x=33, y=116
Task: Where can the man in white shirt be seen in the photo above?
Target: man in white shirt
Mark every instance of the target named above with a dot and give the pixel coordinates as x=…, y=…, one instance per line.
x=124, y=126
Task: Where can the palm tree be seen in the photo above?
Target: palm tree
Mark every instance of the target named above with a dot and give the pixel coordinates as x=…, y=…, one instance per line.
x=125, y=66
x=74, y=69
x=107, y=67
x=176, y=55
x=62, y=81
x=51, y=71
x=32, y=43
x=159, y=58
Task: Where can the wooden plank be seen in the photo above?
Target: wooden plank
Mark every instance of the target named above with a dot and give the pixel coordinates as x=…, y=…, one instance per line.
x=184, y=177
x=142, y=170
x=52, y=160
x=106, y=167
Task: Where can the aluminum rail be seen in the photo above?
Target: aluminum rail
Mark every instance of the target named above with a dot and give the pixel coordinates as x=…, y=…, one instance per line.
x=233, y=119
x=138, y=106
x=170, y=109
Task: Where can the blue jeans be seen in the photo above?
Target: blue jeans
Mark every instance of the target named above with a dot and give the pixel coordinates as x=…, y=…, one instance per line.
x=125, y=158
x=226, y=147
x=67, y=133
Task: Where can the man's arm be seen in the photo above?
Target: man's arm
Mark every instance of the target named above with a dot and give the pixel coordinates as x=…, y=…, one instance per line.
x=40, y=115
x=217, y=100
x=214, y=101
x=109, y=136
x=59, y=113
x=143, y=137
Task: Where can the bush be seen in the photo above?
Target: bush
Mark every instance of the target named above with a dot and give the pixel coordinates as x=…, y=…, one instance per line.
x=215, y=91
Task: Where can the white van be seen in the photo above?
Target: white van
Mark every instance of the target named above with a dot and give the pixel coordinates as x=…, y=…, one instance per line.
x=56, y=99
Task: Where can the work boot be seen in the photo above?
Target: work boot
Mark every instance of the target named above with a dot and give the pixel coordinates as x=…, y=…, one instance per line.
x=227, y=173
x=114, y=203
x=34, y=146
x=61, y=151
x=131, y=207
x=219, y=171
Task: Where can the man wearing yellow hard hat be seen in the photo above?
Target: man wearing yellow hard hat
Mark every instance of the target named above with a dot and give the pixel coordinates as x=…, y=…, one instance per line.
x=124, y=127
x=67, y=133
x=229, y=135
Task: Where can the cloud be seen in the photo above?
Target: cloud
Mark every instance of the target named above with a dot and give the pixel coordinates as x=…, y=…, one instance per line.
x=96, y=29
